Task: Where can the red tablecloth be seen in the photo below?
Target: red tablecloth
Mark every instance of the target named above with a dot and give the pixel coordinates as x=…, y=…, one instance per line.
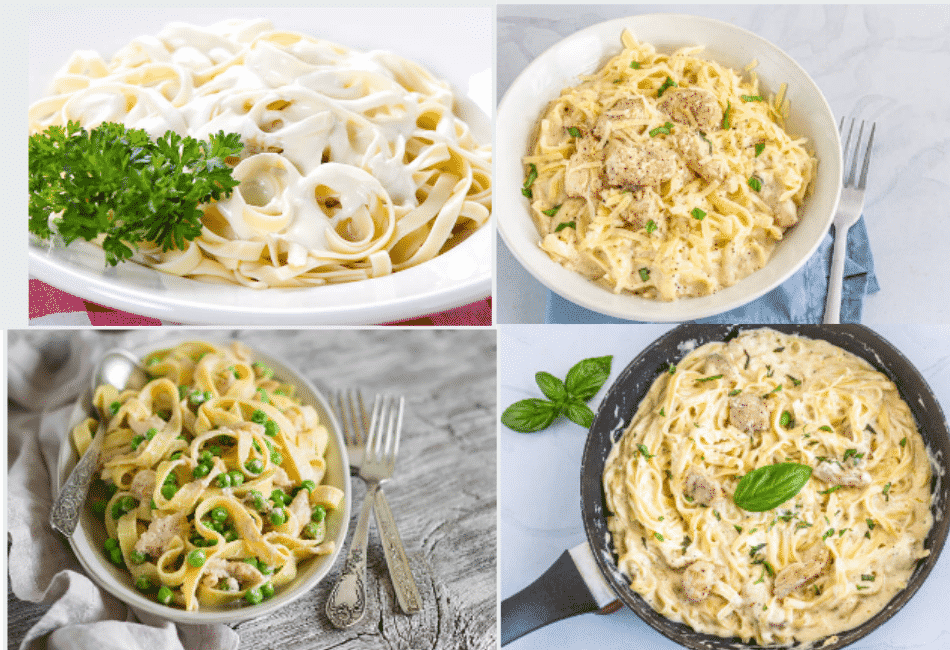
x=51, y=307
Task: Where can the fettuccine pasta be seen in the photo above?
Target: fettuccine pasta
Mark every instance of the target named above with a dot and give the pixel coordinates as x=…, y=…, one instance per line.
x=825, y=559
x=354, y=164
x=213, y=472
x=665, y=176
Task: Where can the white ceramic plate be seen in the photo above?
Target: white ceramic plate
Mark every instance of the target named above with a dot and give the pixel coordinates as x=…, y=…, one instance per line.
x=87, y=541
x=588, y=50
x=454, y=44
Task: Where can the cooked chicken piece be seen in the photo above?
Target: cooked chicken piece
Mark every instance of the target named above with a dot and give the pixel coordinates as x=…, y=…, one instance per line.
x=143, y=485
x=160, y=533
x=642, y=209
x=693, y=106
x=233, y=573
x=701, y=488
x=748, y=412
x=626, y=109
x=638, y=165
x=698, y=580
x=582, y=176
x=699, y=157
x=716, y=364
x=832, y=472
x=801, y=574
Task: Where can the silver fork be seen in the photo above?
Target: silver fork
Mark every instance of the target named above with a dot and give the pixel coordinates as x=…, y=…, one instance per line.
x=347, y=602
x=849, y=211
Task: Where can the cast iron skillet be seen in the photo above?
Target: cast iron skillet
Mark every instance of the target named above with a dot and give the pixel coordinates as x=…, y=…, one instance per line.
x=628, y=390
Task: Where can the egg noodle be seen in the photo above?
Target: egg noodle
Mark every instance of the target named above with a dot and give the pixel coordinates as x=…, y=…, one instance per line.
x=354, y=164
x=665, y=176
x=824, y=561
x=214, y=470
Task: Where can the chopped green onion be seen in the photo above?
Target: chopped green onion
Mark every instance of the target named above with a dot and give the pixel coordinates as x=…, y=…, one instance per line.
x=552, y=211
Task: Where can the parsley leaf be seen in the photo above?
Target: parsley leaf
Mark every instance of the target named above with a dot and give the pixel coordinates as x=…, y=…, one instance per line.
x=117, y=182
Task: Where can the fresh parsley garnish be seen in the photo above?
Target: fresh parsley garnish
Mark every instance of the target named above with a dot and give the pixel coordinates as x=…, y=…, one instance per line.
x=645, y=274
x=750, y=98
x=118, y=182
x=552, y=211
x=698, y=214
x=666, y=128
x=713, y=378
x=725, y=116
x=566, y=224
x=646, y=452
x=574, y=131
x=651, y=226
x=635, y=65
x=666, y=84
x=759, y=148
x=566, y=397
x=529, y=181
x=755, y=184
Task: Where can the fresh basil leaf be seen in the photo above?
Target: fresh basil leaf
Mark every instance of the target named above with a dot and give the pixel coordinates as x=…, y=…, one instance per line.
x=587, y=376
x=770, y=486
x=530, y=415
x=579, y=413
x=551, y=386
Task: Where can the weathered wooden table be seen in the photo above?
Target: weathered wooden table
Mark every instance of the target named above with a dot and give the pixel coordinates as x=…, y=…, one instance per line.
x=443, y=494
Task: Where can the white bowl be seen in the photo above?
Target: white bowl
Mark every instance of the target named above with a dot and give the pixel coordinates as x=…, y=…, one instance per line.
x=587, y=51
x=447, y=42
x=87, y=541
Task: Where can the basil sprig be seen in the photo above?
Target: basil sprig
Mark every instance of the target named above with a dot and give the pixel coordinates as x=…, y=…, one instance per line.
x=770, y=486
x=566, y=397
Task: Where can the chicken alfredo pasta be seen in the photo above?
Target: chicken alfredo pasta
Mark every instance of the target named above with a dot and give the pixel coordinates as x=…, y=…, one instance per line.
x=212, y=472
x=665, y=176
x=354, y=164
x=838, y=545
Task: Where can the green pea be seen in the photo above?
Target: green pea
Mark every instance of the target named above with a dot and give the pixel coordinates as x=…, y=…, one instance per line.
x=215, y=450
x=264, y=569
x=196, y=558
x=277, y=517
x=277, y=496
x=267, y=590
x=116, y=555
x=230, y=535
x=99, y=507
x=116, y=510
x=319, y=513
x=201, y=471
x=169, y=490
x=254, y=466
x=143, y=583
x=208, y=396
x=308, y=485
x=258, y=416
x=311, y=530
x=136, y=558
x=206, y=456
x=219, y=514
x=129, y=503
x=271, y=428
x=111, y=543
x=164, y=595
x=253, y=596
x=182, y=390
x=276, y=458
x=263, y=395
x=237, y=478
x=175, y=456
x=171, y=478
x=136, y=441
x=224, y=480
x=150, y=433
x=252, y=561
x=114, y=407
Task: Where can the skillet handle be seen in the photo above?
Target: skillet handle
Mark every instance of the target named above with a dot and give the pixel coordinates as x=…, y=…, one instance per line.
x=560, y=592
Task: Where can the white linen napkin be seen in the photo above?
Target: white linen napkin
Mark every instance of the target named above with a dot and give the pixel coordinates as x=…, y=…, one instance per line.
x=45, y=375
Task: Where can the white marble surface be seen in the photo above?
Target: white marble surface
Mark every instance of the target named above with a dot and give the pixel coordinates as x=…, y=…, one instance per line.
x=883, y=63
x=539, y=485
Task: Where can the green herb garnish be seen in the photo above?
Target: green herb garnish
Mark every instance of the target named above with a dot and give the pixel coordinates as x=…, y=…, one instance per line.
x=117, y=182
x=725, y=116
x=566, y=224
x=635, y=65
x=666, y=84
x=833, y=488
x=698, y=214
x=651, y=226
x=552, y=211
x=786, y=419
x=529, y=181
x=755, y=184
x=770, y=486
x=646, y=452
x=750, y=98
x=666, y=128
x=644, y=274
x=759, y=148
x=566, y=397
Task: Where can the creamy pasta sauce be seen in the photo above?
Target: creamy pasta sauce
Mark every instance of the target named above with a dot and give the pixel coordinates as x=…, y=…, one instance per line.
x=820, y=563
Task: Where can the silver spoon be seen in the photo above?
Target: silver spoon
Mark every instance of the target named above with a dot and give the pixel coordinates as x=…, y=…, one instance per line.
x=119, y=368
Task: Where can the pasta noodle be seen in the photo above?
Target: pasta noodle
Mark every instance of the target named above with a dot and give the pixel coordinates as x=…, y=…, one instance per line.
x=213, y=474
x=665, y=176
x=354, y=164
x=826, y=559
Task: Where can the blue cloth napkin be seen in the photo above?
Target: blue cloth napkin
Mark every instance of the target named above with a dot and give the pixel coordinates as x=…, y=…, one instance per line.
x=800, y=299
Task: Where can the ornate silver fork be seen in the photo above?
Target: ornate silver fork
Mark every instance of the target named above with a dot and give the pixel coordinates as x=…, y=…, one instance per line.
x=849, y=211
x=347, y=602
